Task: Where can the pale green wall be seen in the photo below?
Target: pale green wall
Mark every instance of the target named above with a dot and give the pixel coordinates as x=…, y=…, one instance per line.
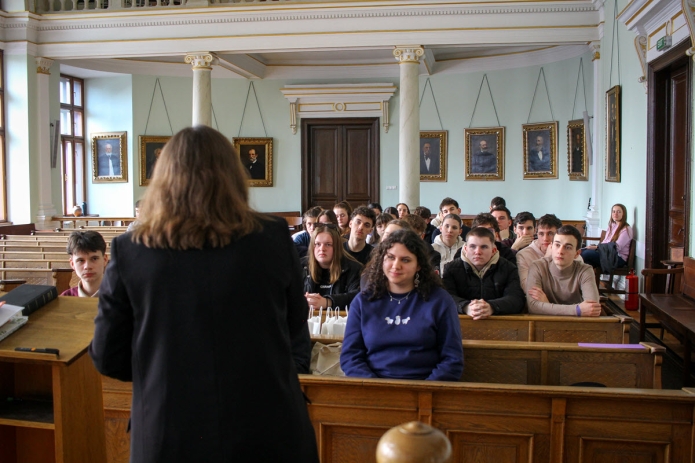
x=109, y=109
x=512, y=91
x=631, y=190
x=21, y=163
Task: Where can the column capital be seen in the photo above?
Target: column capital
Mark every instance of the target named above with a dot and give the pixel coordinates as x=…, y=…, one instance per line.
x=200, y=60
x=595, y=50
x=408, y=53
x=43, y=65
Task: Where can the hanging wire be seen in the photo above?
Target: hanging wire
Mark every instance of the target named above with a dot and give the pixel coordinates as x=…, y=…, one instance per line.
x=427, y=82
x=615, y=40
x=545, y=82
x=154, y=90
x=214, y=117
x=576, y=88
x=480, y=89
x=251, y=86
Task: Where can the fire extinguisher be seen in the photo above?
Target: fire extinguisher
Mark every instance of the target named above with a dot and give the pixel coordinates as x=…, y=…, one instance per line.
x=632, y=298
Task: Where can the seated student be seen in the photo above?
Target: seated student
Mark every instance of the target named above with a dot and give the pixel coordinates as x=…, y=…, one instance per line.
x=88, y=259
x=426, y=214
x=419, y=225
x=343, y=211
x=560, y=285
x=376, y=235
x=497, y=201
x=620, y=233
x=393, y=226
x=403, y=325
x=486, y=220
x=402, y=209
x=449, y=242
x=327, y=216
x=376, y=207
x=548, y=225
x=480, y=282
x=302, y=238
x=448, y=206
x=360, y=225
x=524, y=229
x=134, y=223
x=331, y=277
x=504, y=221
x=392, y=211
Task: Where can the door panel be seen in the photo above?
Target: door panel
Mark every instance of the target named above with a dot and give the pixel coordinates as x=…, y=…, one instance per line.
x=340, y=161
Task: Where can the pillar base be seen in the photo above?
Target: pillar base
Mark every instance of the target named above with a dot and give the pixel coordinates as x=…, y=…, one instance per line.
x=44, y=216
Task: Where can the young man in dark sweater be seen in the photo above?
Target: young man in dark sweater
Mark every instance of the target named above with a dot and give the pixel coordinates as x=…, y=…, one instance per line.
x=361, y=223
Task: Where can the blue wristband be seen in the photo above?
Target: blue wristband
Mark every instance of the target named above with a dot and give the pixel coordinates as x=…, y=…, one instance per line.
x=579, y=311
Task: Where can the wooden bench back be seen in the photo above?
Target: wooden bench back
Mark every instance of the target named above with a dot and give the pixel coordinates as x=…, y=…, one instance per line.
x=688, y=281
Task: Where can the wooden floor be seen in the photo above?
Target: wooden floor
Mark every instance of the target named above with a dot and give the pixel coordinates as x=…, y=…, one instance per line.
x=672, y=366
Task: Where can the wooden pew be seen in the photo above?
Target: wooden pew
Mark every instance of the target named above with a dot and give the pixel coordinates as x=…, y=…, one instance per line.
x=675, y=312
x=58, y=277
x=613, y=329
x=486, y=423
x=562, y=364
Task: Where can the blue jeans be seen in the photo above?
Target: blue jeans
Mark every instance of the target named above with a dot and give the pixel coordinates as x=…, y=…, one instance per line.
x=592, y=258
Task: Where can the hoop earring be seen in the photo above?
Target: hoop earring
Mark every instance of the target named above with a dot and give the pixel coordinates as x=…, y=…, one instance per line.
x=417, y=279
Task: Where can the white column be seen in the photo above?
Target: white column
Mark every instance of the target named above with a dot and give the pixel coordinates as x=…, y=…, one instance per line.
x=202, y=87
x=593, y=217
x=409, y=124
x=42, y=137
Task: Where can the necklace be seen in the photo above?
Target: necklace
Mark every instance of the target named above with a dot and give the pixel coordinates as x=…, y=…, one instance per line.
x=401, y=299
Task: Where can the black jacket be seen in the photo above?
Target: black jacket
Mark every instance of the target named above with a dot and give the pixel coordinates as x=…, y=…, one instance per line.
x=205, y=335
x=505, y=252
x=344, y=290
x=499, y=286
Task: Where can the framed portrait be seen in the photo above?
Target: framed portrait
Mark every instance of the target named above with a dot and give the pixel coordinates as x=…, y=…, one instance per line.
x=150, y=149
x=484, y=153
x=577, y=162
x=109, y=157
x=257, y=157
x=613, y=134
x=433, y=156
x=540, y=150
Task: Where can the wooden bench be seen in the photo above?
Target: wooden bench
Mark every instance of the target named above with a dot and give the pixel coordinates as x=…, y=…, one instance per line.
x=675, y=312
x=486, y=423
x=58, y=277
x=613, y=329
x=563, y=364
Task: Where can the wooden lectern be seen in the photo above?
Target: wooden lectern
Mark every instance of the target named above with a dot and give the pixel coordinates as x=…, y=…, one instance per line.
x=51, y=407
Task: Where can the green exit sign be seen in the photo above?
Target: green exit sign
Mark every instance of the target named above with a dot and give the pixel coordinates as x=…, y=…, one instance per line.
x=664, y=43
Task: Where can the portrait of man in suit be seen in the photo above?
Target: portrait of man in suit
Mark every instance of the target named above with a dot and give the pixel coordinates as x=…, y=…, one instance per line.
x=484, y=154
x=577, y=151
x=539, y=151
x=109, y=157
x=429, y=156
x=255, y=161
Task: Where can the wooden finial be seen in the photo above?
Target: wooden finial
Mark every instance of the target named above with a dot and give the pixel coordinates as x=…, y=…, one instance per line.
x=413, y=442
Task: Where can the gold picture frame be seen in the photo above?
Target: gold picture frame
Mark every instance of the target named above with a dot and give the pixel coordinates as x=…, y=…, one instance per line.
x=577, y=160
x=540, y=150
x=150, y=147
x=484, y=153
x=259, y=167
x=109, y=157
x=613, y=134
x=435, y=143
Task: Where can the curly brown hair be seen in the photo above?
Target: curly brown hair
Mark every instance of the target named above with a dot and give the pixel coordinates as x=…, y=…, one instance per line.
x=377, y=284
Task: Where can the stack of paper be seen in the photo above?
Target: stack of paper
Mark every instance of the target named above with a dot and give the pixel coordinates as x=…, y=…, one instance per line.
x=11, y=319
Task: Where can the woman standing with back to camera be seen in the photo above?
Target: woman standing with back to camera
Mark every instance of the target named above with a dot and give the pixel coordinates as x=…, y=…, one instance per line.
x=202, y=309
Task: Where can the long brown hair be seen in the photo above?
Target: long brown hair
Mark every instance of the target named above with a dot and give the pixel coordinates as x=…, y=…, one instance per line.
x=198, y=195
x=621, y=225
x=377, y=283
x=339, y=253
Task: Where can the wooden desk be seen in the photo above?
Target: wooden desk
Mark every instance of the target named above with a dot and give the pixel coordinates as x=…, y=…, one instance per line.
x=56, y=412
x=90, y=218
x=676, y=313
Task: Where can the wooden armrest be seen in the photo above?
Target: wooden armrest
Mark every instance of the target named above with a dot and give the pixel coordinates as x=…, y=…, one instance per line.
x=647, y=272
x=591, y=238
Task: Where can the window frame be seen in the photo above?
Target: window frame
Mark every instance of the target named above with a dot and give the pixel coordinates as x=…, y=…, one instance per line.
x=68, y=178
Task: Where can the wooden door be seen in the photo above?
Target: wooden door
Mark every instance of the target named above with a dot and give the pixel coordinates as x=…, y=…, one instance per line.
x=668, y=159
x=340, y=161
